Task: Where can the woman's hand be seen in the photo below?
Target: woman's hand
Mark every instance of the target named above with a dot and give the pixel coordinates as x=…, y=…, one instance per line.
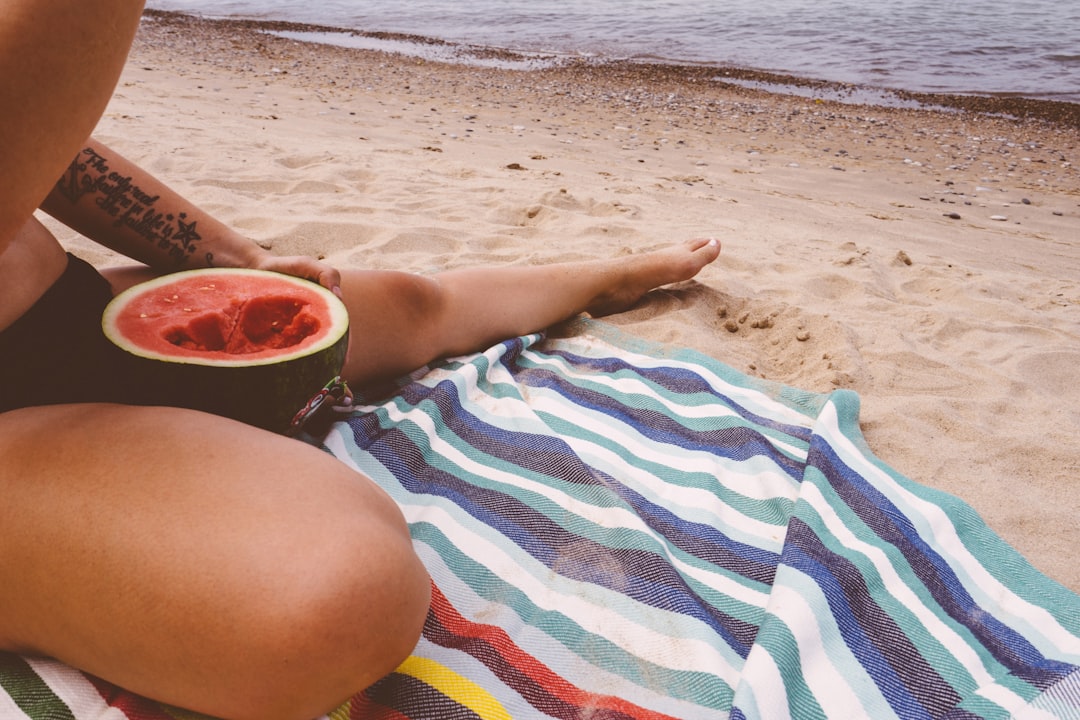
x=302, y=266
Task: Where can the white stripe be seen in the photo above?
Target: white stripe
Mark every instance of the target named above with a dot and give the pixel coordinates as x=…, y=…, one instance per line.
x=8, y=709
x=735, y=523
x=72, y=687
x=830, y=684
x=552, y=651
x=1017, y=708
x=763, y=681
x=715, y=409
x=604, y=517
x=750, y=398
x=946, y=541
x=721, y=584
x=891, y=581
x=584, y=603
x=760, y=483
x=448, y=453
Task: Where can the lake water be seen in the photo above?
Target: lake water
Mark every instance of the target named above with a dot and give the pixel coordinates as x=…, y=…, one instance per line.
x=1029, y=49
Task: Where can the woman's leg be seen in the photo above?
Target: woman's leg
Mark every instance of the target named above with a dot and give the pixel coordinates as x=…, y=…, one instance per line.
x=200, y=561
x=401, y=321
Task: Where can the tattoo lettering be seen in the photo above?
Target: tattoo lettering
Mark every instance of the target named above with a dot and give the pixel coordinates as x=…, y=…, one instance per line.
x=130, y=207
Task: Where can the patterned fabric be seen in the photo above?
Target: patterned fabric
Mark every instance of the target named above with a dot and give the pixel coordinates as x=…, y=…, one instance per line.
x=620, y=531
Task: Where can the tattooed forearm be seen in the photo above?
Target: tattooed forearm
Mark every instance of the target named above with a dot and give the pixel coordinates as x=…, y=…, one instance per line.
x=128, y=206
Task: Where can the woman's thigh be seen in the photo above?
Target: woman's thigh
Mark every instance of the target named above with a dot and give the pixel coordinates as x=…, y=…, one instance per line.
x=200, y=561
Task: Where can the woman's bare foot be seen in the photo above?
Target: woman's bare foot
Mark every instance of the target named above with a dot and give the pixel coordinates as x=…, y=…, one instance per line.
x=636, y=275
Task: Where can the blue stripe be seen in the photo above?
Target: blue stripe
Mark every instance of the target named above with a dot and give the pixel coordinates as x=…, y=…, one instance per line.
x=647, y=577
x=550, y=457
x=684, y=382
x=736, y=443
x=1006, y=645
x=702, y=541
x=907, y=681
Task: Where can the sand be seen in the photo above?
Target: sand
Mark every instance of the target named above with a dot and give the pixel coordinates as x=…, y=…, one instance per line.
x=929, y=261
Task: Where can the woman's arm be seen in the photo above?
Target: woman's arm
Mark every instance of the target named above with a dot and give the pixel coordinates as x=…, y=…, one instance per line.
x=59, y=63
x=114, y=202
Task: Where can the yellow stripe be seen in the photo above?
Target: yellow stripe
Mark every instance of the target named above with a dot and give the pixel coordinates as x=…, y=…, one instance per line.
x=456, y=687
x=341, y=712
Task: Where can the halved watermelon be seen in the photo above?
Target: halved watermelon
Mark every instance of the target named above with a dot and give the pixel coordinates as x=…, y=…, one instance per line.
x=247, y=344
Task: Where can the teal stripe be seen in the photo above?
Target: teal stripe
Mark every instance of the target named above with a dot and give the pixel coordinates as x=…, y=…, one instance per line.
x=803, y=402
x=699, y=687
x=648, y=397
x=940, y=656
x=999, y=559
x=776, y=639
x=672, y=623
x=775, y=510
x=612, y=538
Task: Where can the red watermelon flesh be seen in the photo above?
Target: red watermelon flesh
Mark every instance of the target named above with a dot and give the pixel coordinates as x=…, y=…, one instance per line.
x=244, y=327
x=224, y=317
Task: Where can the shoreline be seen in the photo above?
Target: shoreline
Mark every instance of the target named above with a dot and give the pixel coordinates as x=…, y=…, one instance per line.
x=928, y=260
x=1009, y=105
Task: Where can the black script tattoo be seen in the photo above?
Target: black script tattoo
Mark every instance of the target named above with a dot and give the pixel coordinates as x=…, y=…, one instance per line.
x=129, y=206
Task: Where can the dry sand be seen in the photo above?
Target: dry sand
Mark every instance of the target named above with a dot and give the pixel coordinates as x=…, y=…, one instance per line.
x=841, y=265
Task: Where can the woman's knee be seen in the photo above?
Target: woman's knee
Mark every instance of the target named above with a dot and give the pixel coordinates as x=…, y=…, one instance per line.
x=356, y=616
x=344, y=596
x=404, y=313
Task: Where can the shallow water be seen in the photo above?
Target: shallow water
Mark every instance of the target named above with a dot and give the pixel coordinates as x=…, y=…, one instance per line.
x=1030, y=49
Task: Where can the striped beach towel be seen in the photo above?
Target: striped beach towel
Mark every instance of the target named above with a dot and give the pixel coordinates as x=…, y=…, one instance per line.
x=621, y=531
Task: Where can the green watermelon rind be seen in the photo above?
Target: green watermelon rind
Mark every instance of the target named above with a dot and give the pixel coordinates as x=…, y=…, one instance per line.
x=264, y=392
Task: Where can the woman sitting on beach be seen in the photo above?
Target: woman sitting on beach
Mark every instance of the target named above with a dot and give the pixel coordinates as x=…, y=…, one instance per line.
x=187, y=557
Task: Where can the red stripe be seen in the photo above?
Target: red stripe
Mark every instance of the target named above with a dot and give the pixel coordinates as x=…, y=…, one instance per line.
x=364, y=708
x=500, y=642
x=134, y=707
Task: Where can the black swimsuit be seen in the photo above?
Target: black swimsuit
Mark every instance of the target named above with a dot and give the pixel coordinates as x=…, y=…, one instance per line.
x=57, y=353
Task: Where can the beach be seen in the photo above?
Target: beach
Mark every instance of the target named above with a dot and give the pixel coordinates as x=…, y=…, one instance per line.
x=928, y=260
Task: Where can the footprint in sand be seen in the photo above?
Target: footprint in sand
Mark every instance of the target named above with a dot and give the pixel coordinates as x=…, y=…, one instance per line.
x=793, y=347
x=295, y=162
